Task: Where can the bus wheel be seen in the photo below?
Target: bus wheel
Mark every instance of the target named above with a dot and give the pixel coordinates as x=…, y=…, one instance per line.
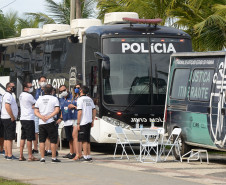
x=183, y=147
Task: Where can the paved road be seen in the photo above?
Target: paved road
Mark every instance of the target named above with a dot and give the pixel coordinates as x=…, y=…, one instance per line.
x=104, y=170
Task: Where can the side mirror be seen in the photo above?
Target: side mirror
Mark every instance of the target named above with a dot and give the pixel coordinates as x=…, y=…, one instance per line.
x=105, y=66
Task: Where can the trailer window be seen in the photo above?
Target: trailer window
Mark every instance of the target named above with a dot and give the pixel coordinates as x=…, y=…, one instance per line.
x=179, y=83
x=201, y=84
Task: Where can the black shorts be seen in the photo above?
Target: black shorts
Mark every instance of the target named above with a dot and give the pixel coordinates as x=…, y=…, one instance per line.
x=9, y=129
x=28, y=129
x=84, y=133
x=68, y=132
x=1, y=129
x=48, y=130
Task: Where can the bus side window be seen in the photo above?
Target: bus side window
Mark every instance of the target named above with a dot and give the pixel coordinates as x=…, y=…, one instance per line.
x=201, y=83
x=39, y=58
x=179, y=83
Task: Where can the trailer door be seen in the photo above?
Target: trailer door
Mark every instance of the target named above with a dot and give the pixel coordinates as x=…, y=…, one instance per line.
x=217, y=122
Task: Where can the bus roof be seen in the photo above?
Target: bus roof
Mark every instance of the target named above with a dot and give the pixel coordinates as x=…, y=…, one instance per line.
x=136, y=29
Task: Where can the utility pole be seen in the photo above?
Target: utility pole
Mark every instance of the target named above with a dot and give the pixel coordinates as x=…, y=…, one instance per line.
x=78, y=9
x=72, y=10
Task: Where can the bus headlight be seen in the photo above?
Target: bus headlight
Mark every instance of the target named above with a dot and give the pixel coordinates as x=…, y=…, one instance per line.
x=116, y=122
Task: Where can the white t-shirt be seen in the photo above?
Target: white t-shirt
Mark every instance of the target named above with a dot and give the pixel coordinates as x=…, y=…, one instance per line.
x=9, y=99
x=26, y=102
x=0, y=102
x=69, y=122
x=85, y=104
x=46, y=105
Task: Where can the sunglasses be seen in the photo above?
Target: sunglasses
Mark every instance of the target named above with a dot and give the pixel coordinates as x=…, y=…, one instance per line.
x=62, y=91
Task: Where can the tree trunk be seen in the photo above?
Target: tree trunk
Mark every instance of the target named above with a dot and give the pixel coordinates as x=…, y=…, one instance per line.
x=78, y=9
x=72, y=10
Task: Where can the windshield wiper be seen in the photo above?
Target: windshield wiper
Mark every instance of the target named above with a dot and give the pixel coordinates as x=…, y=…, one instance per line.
x=134, y=100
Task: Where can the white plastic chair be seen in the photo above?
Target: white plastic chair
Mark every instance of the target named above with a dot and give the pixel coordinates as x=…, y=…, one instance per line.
x=172, y=141
x=150, y=144
x=123, y=141
x=61, y=126
x=18, y=132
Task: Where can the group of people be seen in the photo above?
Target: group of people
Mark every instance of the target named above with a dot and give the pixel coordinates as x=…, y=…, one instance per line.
x=40, y=117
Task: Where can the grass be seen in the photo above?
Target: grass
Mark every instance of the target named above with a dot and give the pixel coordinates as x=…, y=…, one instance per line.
x=10, y=182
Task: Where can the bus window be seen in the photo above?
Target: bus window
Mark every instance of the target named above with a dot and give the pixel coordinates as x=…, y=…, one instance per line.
x=180, y=81
x=201, y=84
x=39, y=59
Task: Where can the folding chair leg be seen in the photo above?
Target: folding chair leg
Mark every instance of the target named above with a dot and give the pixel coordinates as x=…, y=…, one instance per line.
x=124, y=151
x=168, y=153
x=133, y=151
x=207, y=157
x=115, y=150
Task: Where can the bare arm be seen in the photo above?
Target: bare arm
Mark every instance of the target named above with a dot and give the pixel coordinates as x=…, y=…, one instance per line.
x=93, y=116
x=71, y=106
x=79, y=116
x=9, y=111
x=55, y=112
x=60, y=119
x=37, y=113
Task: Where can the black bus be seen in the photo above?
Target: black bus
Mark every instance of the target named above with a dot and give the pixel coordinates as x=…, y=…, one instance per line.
x=124, y=64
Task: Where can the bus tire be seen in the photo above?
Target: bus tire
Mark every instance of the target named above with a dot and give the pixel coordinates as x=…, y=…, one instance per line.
x=184, y=148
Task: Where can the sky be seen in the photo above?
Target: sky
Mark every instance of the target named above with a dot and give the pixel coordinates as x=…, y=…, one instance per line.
x=23, y=6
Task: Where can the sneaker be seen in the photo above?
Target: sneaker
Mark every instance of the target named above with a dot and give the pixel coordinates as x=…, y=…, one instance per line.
x=42, y=160
x=2, y=152
x=12, y=158
x=56, y=160
x=71, y=156
x=34, y=151
x=48, y=153
x=85, y=160
x=91, y=159
x=5, y=157
x=67, y=156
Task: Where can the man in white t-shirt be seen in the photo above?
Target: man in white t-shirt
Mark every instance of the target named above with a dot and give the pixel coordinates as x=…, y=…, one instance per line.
x=46, y=108
x=9, y=115
x=85, y=120
x=42, y=81
x=1, y=131
x=27, y=116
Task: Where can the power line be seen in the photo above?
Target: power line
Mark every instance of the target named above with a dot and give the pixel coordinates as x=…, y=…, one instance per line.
x=7, y=4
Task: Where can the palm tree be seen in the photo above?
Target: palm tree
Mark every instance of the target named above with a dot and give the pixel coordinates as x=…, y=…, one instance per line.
x=60, y=12
x=146, y=8
x=8, y=25
x=205, y=21
x=78, y=9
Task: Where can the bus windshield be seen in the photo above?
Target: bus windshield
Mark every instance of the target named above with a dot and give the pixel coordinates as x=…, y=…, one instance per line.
x=131, y=70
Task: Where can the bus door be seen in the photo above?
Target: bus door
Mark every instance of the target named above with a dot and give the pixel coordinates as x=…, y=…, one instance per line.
x=217, y=108
x=199, y=96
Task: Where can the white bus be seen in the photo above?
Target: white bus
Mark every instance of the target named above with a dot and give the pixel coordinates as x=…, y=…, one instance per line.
x=124, y=62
